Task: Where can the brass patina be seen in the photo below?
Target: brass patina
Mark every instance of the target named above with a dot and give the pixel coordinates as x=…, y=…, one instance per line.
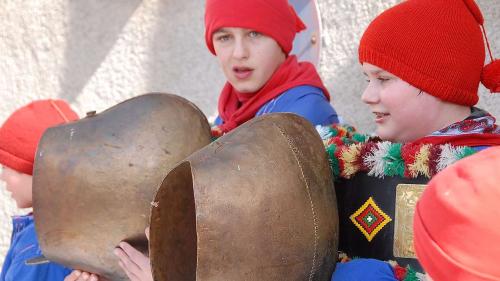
x=94, y=179
x=257, y=204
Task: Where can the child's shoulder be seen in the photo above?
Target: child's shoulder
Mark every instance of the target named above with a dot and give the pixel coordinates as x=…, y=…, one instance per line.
x=24, y=239
x=296, y=96
x=306, y=101
x=24, y=247
x=303, y=90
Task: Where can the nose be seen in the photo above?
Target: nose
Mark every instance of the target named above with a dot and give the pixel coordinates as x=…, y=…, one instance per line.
x=371, y=94
x=240, y=50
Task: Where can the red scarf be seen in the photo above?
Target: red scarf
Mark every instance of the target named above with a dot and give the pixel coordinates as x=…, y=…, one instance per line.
x=477, y=130
x=464, y=140
x=236, y=108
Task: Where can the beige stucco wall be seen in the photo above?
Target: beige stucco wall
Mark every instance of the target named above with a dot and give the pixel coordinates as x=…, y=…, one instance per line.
x=96, y=53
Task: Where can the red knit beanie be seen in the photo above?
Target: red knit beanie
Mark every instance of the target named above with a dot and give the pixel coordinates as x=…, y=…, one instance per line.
x=456, y=228
x=20, y=133
x=274, y=18
x=435, y=45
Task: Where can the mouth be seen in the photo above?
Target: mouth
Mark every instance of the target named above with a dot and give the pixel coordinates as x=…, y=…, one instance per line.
x=380, y=116
x=241, y=72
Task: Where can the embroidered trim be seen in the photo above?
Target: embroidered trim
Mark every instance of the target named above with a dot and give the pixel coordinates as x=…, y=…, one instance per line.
x=370, y=219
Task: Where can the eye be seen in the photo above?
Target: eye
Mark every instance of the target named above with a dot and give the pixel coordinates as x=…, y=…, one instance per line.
x=223, y=38
x=254, y=34
x=383, y=79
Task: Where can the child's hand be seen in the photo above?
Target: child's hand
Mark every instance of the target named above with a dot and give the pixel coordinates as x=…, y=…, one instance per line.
x=134, y=263
x=78, y=275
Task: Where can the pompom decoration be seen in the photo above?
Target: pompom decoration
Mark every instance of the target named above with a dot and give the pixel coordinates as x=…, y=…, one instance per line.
x=491, y=76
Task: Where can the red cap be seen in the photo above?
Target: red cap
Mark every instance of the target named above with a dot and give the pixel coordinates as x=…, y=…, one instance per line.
x=456, y=226
x=436, y=46
x=21, y=132
x=274, y=18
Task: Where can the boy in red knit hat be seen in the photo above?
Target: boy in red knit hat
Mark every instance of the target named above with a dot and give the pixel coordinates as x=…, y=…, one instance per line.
x=252, y=40
x=19, y=137
x=454, y=224
x=424, y=60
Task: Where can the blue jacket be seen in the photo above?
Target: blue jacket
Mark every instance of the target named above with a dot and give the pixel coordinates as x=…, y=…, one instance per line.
x=306, y=101
x=364, y=270
x=24, y=246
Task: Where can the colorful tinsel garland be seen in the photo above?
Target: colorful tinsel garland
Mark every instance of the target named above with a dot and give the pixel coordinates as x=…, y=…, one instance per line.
x=350, y=153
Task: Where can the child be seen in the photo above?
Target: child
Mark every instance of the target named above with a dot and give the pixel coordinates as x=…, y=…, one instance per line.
x=424, y=78
x=454, y=235
x=19, y=137
x=424, y=60
x=252, y=40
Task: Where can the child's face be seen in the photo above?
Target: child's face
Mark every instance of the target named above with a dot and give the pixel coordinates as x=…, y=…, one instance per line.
x=19, y=185
x=402, y=112
x=248, y=58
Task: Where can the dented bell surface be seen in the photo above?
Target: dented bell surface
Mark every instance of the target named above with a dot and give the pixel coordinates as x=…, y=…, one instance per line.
x=94, y=179
x=257, y=204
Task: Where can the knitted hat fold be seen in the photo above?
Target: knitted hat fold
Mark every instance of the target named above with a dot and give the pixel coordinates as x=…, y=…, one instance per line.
x=274, y=18
x=21, y=132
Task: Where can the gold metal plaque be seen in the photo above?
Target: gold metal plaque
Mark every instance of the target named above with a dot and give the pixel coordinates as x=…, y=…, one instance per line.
x=407, y=196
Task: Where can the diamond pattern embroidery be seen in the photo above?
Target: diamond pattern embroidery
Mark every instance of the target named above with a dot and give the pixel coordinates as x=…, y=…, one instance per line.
x=370, y=219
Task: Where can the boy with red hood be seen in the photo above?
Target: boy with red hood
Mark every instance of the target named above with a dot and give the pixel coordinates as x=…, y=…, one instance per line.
x=252, y=41
x=454, y=223
x=19, y=137
x=424, y=61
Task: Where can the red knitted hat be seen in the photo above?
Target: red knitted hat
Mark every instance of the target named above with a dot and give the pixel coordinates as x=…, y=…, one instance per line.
x=20, y=133
x=435, y=45
x=274, y=18
x=456, y=229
